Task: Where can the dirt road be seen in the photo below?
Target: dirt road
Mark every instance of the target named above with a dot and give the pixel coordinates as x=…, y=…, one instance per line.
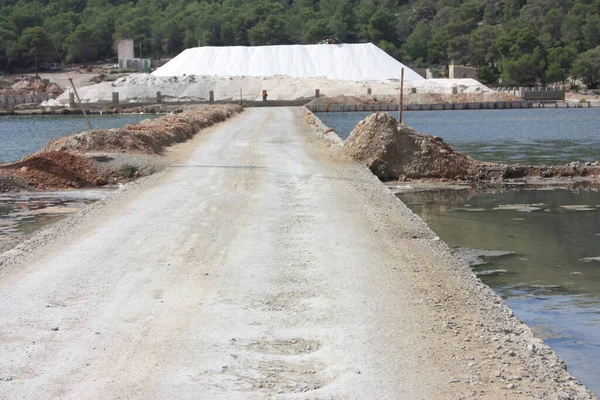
x=261, y=267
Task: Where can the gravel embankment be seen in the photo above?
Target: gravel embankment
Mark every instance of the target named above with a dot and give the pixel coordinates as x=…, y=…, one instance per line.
x=507, y=354
x=264, y=266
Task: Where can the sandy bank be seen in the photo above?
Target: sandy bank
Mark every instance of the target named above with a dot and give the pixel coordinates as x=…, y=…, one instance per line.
x=149, y=136
x=109, y=156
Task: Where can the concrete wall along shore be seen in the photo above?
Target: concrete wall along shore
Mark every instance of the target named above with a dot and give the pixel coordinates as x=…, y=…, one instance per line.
x=498, y=105
x=536, y=94
x=10, y=101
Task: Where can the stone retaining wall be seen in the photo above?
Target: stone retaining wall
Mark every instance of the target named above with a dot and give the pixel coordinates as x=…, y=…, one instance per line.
x=498, y=105
x=10, y=101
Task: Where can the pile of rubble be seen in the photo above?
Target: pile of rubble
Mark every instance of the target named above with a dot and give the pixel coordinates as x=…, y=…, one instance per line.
x=32, y=86
x=47, y=170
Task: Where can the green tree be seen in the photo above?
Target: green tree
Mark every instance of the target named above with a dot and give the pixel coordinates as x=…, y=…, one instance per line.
x=341, y=19
x=316, y=31
x=424, y=10
x=438, y=47
x=491, y=13
x=487, y=75
x=268, y=32
x=8, y=48
x=60, y=26
x=514, y=43
x=418, y=42
x=381, y=26
x=482, y=45
x=390, y=48
x=560, y=60
x=571, y=29
x=510, y=9
x=37, y=45
x=550, y=33
x=82, y=45
x=587, y=68
x=464, y=18
x=456, y=49
x=522, y=71
x=591, y=31
x=26, y=15
x=405, y=25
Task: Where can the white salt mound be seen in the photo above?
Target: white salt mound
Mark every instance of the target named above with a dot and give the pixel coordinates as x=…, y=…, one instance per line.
x=354, y=62
x=291, y=72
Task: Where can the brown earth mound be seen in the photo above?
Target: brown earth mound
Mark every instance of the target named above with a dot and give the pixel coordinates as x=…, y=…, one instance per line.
x=395, y=151
x=150, y=136
x=51, y=170
x=63, y=165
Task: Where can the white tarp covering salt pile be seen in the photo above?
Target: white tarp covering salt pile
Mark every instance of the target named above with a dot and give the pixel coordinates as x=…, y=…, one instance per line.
x=352, y=62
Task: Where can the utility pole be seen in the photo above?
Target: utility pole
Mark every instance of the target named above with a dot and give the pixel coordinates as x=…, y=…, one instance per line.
x=141, y=66
x=400, y=100
x=87, y=120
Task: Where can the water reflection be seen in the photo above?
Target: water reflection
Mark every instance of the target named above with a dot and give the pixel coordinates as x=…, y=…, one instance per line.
x=23, y=213
x=552, y=277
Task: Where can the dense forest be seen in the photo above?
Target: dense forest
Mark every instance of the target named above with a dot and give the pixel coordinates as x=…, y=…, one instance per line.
x=522, y=41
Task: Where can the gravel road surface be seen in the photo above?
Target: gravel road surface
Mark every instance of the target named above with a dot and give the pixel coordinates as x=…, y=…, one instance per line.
x=261, y=266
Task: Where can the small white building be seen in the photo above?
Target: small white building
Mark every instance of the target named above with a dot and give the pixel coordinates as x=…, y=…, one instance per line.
x=125, y=50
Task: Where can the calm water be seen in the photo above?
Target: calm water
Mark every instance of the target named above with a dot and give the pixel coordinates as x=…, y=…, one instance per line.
x=548, y=281
x=546, y=136
x=24, y=213
x=23, y=135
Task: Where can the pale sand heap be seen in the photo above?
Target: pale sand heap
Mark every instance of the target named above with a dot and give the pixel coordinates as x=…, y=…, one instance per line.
x=350, y=62
x=143, y=88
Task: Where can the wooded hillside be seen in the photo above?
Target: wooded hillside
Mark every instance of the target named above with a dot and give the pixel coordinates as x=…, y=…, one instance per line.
x=522, y=41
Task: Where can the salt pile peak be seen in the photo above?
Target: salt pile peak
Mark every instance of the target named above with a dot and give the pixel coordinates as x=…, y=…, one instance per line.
x=354, y=62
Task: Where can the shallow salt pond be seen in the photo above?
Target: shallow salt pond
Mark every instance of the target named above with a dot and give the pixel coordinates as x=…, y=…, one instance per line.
x=23, y=213
x=548, y=270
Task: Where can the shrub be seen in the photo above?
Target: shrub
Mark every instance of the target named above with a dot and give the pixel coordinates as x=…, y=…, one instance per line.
x=128, y=170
